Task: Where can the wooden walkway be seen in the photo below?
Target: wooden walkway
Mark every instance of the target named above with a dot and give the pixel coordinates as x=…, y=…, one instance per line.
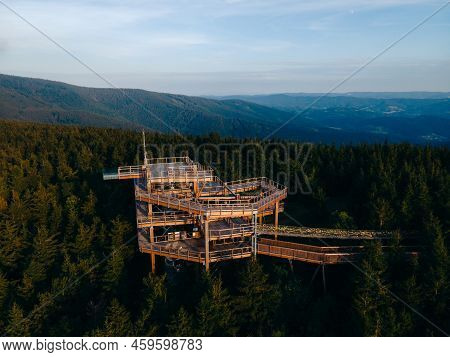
x=193, y=250
x=321, y=233
x=218, y=207
x=309, y=253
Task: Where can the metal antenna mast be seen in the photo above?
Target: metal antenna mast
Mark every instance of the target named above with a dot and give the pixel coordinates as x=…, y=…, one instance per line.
x=145, y=149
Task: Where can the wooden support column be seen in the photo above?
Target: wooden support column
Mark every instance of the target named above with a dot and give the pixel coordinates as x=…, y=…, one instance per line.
x=323, y=279
x=196, y=178
x=148, y=181
x=152, y=237
x=152, y=256
x=206, y=230
x=196, y=191
x=149, y=210
x=261, y=219
x=255, y=234
x=277, y=208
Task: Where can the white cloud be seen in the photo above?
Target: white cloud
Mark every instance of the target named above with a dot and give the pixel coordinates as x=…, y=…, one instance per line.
x=183, y=41
x=281, y=7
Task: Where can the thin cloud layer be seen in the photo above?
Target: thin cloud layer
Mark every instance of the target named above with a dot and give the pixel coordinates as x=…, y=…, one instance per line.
x=200, y=45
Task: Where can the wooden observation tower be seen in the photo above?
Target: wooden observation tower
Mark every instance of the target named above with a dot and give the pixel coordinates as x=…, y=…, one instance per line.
x=184, y=211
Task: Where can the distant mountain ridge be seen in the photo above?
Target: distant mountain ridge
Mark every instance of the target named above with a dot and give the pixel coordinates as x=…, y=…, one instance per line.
x=56, y=102
x=336, y=118
x=410, y=116
x=413, y=103
x=373, y=95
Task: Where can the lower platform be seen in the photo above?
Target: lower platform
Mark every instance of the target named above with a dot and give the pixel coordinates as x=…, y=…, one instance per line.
x=193, y=250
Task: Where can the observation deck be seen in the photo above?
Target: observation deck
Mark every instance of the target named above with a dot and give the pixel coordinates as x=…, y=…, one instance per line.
x=184, y=211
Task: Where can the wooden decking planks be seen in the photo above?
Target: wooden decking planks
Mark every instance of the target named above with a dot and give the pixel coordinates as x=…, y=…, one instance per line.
x=308, y=253
x=322, y=233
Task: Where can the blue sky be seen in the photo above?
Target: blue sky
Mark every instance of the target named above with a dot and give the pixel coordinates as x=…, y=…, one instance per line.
x=230, y=46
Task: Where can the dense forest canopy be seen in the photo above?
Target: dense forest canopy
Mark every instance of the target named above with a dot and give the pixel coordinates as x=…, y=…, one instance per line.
x=69, y=263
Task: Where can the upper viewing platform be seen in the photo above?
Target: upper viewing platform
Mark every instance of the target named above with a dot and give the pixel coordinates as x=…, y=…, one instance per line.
x=164, y=170
x=182, y=184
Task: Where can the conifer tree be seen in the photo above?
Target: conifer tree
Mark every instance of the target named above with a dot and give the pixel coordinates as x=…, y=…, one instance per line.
x=435, y=265
x=72, y=217
x=18, y=325
x=45, y=250
x=372, y=300
x=88, y=208
x=12, y=245
x=181, y=324
x=42, y=313
x=154, y=309
x=4, y=294
x=120, y=252
x=342, y=220
x=382, y=214
x=215, y=315
x=257, y=301
x=117, y=322
x=84, y=239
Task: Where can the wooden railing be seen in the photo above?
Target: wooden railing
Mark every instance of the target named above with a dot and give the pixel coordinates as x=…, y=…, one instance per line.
x=216, y=207
x=306, y=253
x=199, y=256
x=257, y=180
x=166, y=218
x=178, y=253
x=249, y=183
x=173, y=168
x=170, y=201
x=313, y=248
x=319, y=254
x=167, y=160
x=224, y=233
x=130, y=171
x=230, y=253
x=186, y=175
x=176, y=236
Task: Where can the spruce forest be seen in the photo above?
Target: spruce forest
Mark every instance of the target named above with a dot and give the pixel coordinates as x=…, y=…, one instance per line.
x=70, y=266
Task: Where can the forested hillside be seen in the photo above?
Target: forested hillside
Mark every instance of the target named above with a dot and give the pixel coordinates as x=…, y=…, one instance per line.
x=69, y=263
x=332, y=119
x=414, y=117
x=60, y=103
